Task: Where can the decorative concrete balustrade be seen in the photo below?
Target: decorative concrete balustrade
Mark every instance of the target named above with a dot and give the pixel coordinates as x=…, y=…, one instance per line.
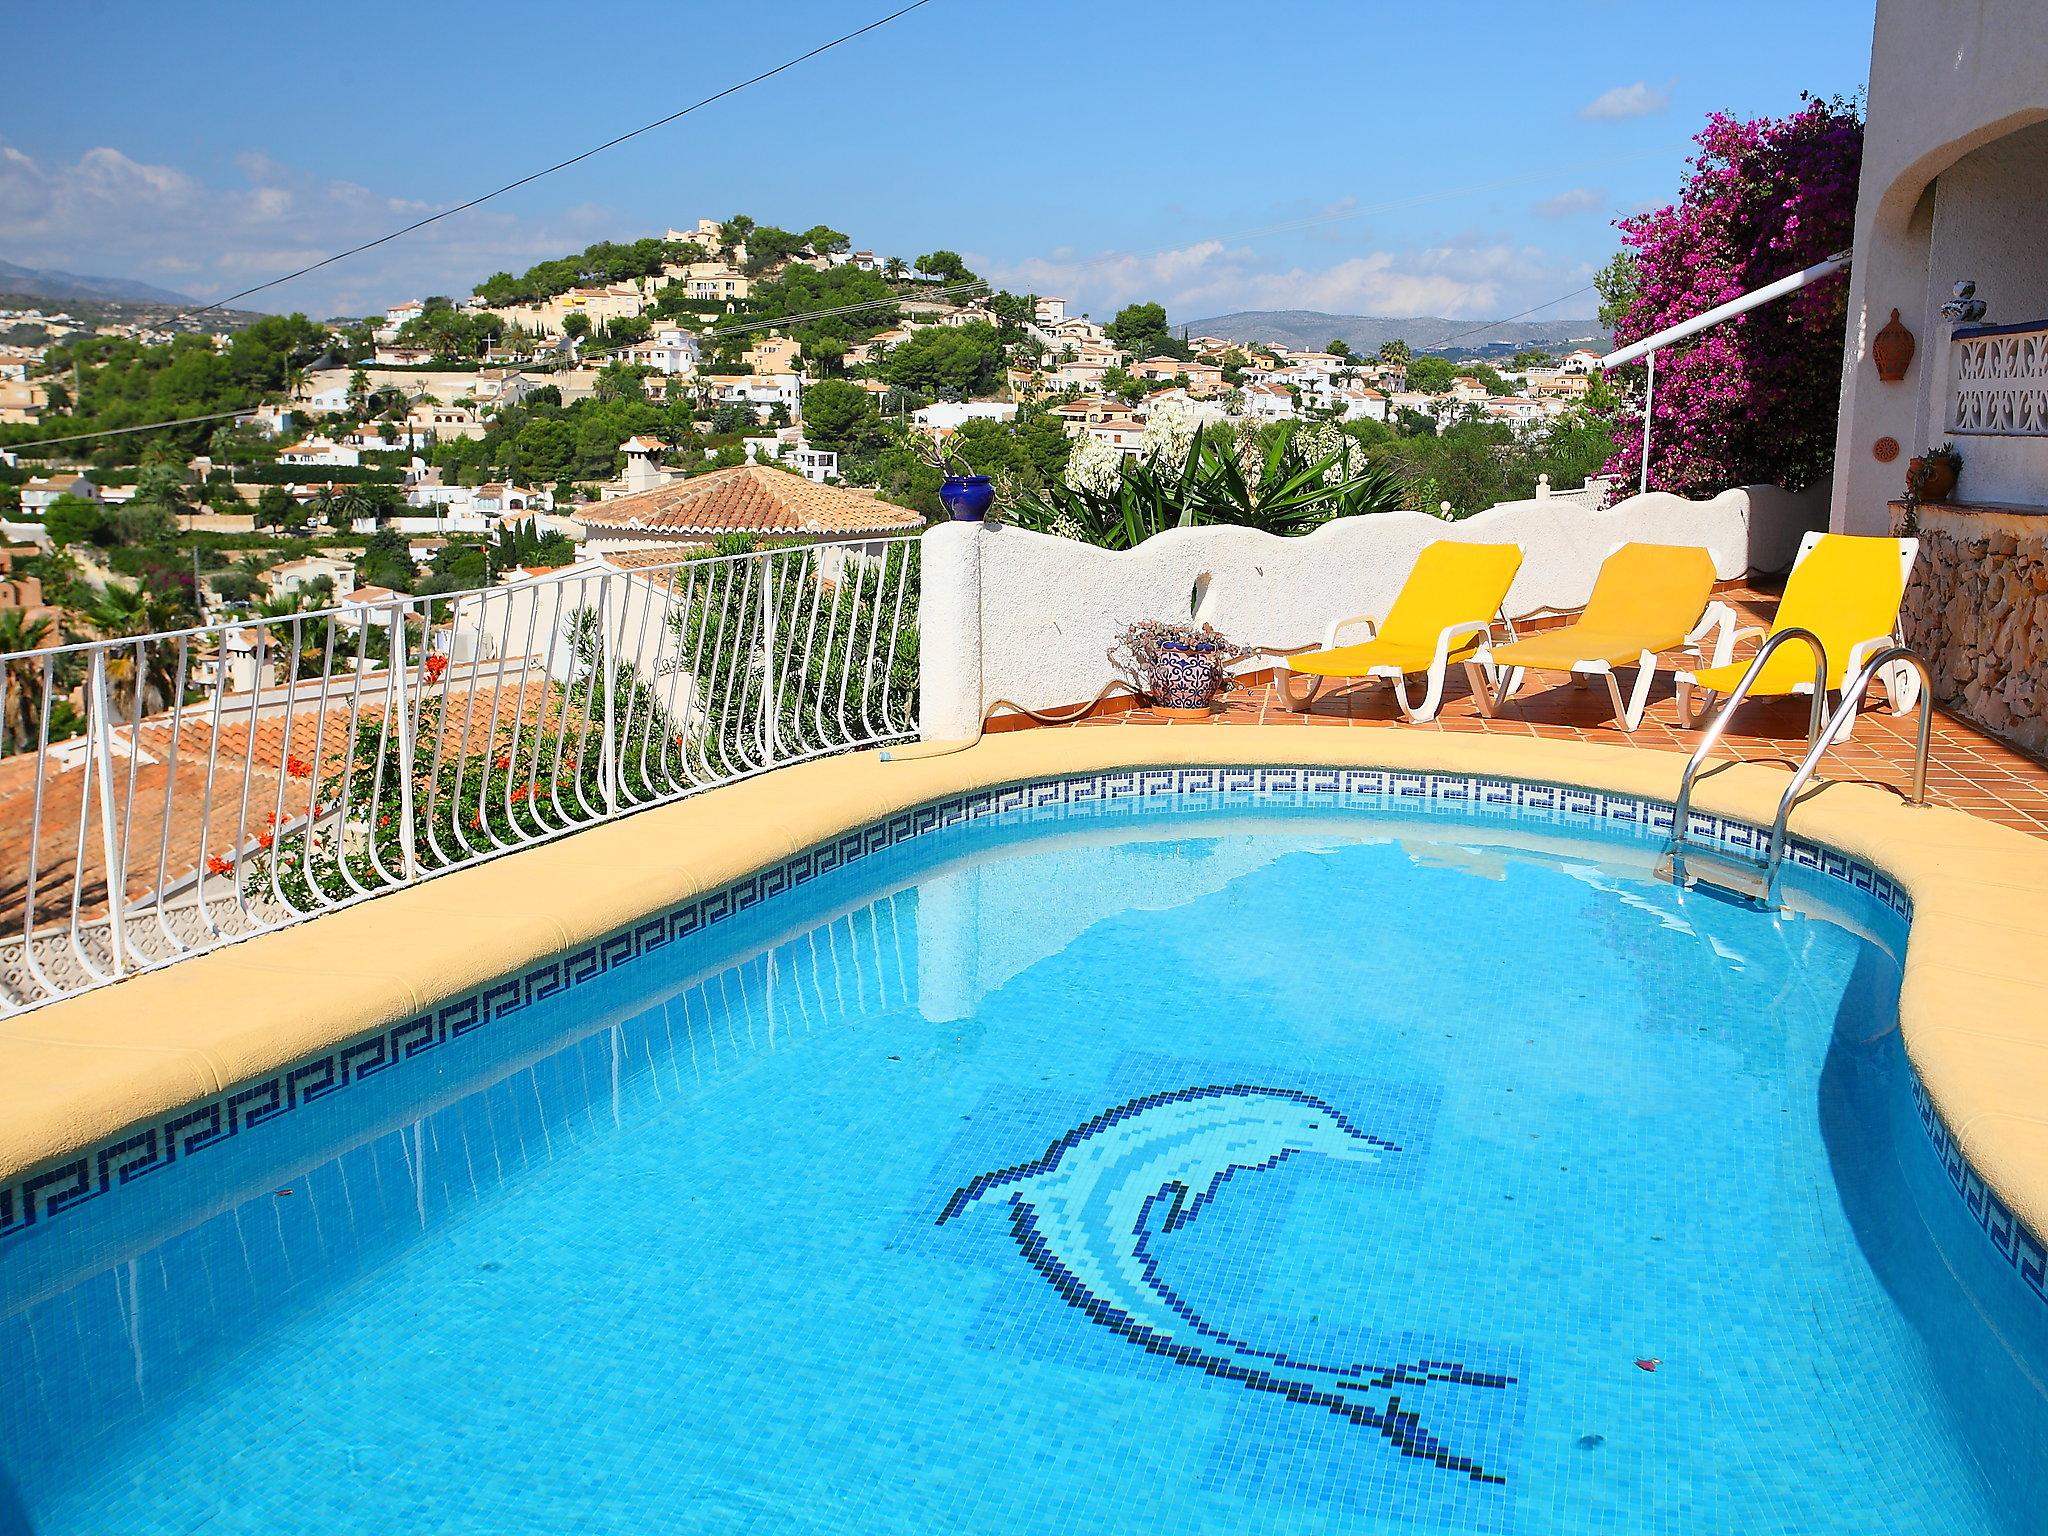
x=2001, y=380
x=1997, y=411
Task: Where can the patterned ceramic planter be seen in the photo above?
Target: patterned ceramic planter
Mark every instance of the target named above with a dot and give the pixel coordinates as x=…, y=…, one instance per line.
x=1185, y=679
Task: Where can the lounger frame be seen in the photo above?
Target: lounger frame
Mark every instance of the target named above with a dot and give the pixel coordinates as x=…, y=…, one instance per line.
x=1697, y=706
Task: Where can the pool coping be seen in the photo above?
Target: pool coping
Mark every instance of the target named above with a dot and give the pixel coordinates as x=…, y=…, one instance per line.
x=76, y=1075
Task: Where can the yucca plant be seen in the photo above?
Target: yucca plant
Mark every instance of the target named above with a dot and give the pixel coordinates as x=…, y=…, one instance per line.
x=1286, y=492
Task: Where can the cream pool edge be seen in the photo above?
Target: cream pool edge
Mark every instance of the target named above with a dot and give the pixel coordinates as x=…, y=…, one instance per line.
x=1973, y=1007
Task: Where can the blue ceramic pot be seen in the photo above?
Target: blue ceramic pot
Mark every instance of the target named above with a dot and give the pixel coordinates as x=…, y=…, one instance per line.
x=1185, y=676
x=967, y=497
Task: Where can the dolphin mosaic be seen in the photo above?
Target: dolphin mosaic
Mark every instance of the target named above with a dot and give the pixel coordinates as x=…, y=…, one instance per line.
x=1085, y=1213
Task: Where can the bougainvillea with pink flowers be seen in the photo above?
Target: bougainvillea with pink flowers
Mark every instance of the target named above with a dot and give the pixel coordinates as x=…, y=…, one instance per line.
x=1752, y=400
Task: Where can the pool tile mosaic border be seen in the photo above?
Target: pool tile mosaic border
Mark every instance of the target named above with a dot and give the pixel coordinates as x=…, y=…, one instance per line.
x=34, y=1200
x=2006, y=1233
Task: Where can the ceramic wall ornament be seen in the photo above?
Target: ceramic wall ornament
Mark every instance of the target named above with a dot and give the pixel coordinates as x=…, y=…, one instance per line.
x=1892, y=349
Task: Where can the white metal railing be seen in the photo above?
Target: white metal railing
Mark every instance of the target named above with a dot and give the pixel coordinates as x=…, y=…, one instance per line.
x=163, y=794
x=2001, y=380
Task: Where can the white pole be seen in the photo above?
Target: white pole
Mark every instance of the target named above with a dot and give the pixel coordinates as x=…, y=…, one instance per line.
x=1658, y=340
x=99, y=727
x=1649, y=393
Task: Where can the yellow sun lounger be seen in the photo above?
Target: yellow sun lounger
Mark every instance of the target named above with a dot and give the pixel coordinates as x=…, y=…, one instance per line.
x=1443, y=614
x=1648, y=598
x=1845, y=589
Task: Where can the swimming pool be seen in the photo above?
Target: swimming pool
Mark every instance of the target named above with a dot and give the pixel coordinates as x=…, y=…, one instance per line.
x=1328, y=1159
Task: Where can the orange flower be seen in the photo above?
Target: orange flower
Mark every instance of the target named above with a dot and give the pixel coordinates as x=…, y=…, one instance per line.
x=216, y=865
x=384, y=820
x=503, y=761
x=264, y=840
x=436, y=667
x=297, y=766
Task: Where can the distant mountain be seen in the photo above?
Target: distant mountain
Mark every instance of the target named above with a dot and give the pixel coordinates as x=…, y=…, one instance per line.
x=1309, y=328
x=70, y=285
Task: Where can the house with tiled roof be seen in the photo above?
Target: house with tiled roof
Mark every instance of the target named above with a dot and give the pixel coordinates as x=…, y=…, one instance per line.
x=38, y=493
x=320, y=450
x=21, y=402
x=751, y=499
x=510, y=500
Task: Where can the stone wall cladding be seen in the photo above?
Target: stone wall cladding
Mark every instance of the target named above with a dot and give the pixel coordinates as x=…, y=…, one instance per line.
x=1977, y=609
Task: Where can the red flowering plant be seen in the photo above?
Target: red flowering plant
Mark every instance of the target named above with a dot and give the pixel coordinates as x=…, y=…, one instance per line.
x=1753, y=399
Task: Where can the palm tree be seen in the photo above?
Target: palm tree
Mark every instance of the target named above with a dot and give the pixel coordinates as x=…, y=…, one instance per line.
x=141, y=676
x=895, y=269
x=23, y=679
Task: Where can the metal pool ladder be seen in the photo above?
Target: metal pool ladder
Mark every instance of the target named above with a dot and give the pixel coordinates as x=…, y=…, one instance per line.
x=1760, y=882
x=1684, y=860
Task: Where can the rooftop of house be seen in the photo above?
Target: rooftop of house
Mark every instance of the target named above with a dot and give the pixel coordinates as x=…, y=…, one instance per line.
x=751, y=498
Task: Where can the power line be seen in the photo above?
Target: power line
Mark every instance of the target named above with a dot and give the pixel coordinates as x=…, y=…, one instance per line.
x=1438, y=195
x=1393, y=205
x=1490, y=324
x=152, y=426
x=562, y=165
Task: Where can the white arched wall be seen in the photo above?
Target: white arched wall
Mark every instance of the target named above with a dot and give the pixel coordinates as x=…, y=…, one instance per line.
x=1008, y=614
x=1946, y=80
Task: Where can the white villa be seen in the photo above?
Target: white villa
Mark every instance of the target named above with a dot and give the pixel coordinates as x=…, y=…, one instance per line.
x=324, y=451
x=670, y=350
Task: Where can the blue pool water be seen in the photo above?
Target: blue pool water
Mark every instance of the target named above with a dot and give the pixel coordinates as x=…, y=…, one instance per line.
x=1277, y=1166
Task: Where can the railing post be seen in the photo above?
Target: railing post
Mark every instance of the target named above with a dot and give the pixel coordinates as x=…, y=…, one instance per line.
x=99, y=723
x=769, y=712
x=608, y=662
x=401, y=704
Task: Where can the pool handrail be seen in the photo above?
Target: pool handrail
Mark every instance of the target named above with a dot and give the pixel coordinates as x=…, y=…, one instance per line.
x=1673, y=861
x=1852, y=700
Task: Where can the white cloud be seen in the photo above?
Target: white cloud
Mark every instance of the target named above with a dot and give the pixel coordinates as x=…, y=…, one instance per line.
x=1566, y=203
x=1626, y=101
x=113, y=216
x=1467, y=278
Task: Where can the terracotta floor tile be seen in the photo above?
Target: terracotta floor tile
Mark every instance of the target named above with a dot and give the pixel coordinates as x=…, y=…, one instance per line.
x=1968, y=769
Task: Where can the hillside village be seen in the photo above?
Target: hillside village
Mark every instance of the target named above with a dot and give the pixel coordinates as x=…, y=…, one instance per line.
x=568, y=412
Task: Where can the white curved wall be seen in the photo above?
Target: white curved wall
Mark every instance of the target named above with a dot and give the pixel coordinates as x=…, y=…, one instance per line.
x=1948, y=80
x=1026, y=617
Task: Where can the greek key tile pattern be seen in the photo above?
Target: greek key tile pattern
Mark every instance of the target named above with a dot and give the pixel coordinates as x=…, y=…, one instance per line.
x=39, y=1197
x=2007, y=1234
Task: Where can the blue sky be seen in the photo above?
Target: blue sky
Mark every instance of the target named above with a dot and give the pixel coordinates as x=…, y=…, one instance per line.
x=1464, y=158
